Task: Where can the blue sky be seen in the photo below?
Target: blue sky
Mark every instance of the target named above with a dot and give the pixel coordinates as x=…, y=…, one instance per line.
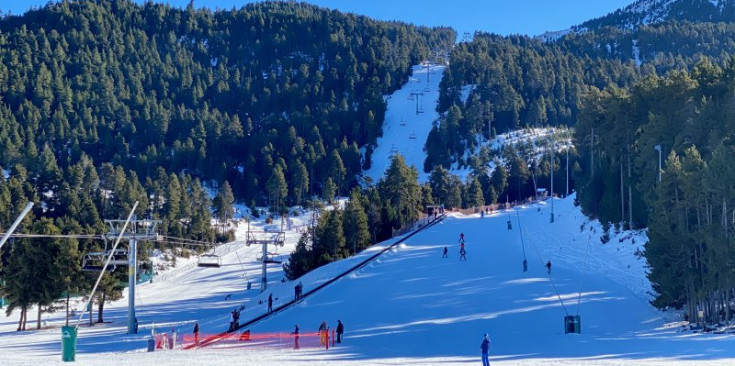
x=530, y=17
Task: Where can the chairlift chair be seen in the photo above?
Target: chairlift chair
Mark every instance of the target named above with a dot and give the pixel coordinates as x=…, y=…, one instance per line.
x=209, y=260
x=95, y=261
x=270, y=258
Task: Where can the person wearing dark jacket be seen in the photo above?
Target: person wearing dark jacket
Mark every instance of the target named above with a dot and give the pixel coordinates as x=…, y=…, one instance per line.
x=485, y=347
x=270, y=303
x=548, y=267
x=340, y=330
x=196, y=332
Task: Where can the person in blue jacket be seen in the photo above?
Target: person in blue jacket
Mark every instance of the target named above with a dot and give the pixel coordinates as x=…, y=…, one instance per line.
x=485, y=347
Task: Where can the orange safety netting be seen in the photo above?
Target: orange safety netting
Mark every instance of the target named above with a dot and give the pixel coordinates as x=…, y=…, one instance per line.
x=261, y=340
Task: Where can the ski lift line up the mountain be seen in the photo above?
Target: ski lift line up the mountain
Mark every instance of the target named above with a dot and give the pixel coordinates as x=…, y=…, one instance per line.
x=523, y=246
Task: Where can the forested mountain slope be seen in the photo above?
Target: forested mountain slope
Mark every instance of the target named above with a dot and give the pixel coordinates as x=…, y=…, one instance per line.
x=269, y=92
x=104, y=103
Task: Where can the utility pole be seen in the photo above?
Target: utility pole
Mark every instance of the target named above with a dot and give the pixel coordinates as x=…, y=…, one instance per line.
x=567, y=191
x=138, y=230
x=592, y=152
x=622, y=191
x=630, y=195
x=658, y=148
x=552, y=178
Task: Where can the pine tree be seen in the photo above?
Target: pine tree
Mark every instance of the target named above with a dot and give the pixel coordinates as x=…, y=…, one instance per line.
x=222, y=205
x=400, y=189
x=277, y=189
x=356, y=223
x=329, y=190
x=474, y=196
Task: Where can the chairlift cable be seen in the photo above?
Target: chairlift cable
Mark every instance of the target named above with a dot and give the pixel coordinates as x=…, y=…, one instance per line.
x=584, y=269
x=551, y=280
x=520, y=232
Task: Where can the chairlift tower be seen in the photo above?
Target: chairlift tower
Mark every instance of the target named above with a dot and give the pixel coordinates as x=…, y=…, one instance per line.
x=417, y=93
x=265, y=238
x=428, y=72
x=137, y=230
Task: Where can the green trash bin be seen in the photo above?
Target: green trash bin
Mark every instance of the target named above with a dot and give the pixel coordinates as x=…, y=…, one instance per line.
x=68, y=343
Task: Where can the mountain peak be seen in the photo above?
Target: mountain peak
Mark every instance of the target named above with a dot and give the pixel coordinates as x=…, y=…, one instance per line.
x=646, y=12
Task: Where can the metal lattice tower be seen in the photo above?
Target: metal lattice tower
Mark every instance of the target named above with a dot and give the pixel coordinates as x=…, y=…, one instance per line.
x=265, y=238
x=136, y=230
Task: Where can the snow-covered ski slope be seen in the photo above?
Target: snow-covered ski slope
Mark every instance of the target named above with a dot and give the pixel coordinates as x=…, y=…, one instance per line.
x=404, y=130
x=411, y=306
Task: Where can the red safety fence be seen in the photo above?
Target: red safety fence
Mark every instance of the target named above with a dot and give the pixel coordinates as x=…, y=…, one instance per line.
x=263, y=340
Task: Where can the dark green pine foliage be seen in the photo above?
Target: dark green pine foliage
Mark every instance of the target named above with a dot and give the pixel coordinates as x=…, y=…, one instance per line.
x=102, y=97
x=355, y=222
x=689, y=212
x=330, y=242
x=400, y=192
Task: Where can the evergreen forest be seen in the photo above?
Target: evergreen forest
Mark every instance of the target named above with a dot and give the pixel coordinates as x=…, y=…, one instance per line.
x=104, y=103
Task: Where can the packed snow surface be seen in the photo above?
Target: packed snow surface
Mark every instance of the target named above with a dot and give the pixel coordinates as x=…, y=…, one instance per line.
x=411, y=306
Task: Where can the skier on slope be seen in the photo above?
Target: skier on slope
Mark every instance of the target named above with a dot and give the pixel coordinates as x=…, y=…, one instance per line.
x=444, y=255
x=462, y=254
x=548, y=267
x=270, y=303
x=461, y=238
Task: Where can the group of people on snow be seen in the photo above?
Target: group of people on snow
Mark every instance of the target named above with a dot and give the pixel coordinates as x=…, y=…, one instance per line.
x=462, y=251
x=463, y=255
